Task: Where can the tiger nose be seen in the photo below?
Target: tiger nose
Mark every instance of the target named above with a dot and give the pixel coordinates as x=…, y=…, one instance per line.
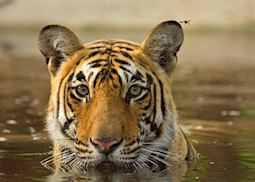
x=105, y=146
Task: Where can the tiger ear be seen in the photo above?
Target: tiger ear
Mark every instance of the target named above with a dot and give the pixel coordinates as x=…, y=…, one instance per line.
x=57, y=43
x=163, y=43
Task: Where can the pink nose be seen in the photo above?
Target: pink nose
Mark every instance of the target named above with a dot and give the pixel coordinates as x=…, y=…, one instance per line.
x=105, y=146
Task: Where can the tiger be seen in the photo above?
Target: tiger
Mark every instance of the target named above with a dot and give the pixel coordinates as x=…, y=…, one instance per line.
x=111, y=100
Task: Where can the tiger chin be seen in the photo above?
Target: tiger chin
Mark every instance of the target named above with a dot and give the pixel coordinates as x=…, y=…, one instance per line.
x=111, y=101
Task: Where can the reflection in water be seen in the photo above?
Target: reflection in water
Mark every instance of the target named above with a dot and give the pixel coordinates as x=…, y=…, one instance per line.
x=213, y=89
x=111, y=177
x=118, y=177
x=172, y=174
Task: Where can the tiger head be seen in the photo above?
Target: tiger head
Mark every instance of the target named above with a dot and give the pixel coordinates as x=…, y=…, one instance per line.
x=111, y=99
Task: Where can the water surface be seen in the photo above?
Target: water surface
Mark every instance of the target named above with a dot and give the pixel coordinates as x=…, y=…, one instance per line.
x=214, y=89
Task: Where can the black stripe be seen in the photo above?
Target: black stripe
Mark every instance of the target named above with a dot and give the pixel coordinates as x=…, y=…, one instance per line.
x=126, y=55
x=95, y=80
x=137, y=76
x=163, y=107
x=86, y=157
x=96, y=65
x=165, y=149
x=93, y=54
x=97, y=77
x=148, y=106
x=96, y=47
x=120, y=80
x=70, y=77
x=80, y=76
x=114, y=85
x=127, y=43
x=108, y=42
x=70, y=105
x=125, y=69
x=68, y=136
x=97, y=61
x=127, y=48
x=143, y=97
x=58, y=96
x=67, y=124
x=110, y=77
x=155, y=103
x=74, y=97
x=103, y=77
x=156, y=129
x=65, y=100
x=162, y=156
x=100, y=42
x=109, y=51
x=147, y=119
x=121, y=62
x=133, y=150
x=126, y=76
x=113, y=71
x=47, y=60
x=149, y=80
x=90, y=75
x=129, y=158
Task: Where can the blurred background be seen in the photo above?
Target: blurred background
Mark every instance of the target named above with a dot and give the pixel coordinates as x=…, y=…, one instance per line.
x=214, y=84
x=216, y=14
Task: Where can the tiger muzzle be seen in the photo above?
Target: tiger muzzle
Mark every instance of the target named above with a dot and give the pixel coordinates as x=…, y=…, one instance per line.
x=106, y=146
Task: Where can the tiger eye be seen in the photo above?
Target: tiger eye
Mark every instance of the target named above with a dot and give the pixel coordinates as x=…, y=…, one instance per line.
x=135, y=90
x=82, y=90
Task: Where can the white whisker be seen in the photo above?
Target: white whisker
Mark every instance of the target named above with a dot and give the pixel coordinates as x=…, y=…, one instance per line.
x=149, y=160
x=165, y=152
x=156, y=152
x=144, y=163
x=137, y=163
x=161, y=160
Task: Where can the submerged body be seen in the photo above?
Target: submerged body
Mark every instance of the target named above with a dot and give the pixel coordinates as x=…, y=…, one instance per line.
x=111, y=99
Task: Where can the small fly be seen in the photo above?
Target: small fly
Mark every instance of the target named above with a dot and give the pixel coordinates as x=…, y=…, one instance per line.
x=185, y=21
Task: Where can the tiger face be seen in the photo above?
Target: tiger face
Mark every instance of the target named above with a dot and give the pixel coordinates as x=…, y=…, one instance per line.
x=111, y=99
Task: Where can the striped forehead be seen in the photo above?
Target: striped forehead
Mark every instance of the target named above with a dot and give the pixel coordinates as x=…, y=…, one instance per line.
x=111, y=59
x=112, y=43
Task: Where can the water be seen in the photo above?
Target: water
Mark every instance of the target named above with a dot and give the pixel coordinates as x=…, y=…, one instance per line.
x=214, y=89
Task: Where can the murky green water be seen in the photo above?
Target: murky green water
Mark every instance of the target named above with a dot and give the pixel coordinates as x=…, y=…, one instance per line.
x=214, y=89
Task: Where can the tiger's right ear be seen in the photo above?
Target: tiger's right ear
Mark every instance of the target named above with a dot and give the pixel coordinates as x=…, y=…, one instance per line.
x=57, y=43
x=163, y=43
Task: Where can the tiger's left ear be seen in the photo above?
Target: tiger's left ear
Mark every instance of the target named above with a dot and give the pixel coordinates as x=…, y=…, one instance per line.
x=163, y=43
x=57, y=43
